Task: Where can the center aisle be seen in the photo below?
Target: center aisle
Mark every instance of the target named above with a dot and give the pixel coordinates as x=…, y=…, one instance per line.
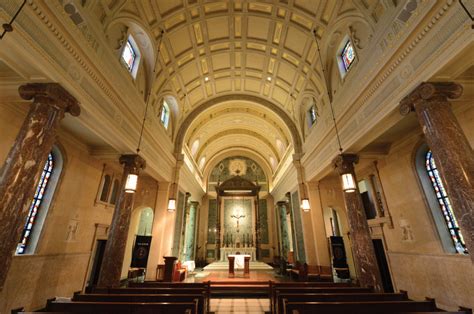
x=240, y=305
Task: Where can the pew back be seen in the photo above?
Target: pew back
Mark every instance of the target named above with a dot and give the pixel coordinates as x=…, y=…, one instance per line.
x=335, y=297
x=123, y=307
x=385, y=307
x=145, y=298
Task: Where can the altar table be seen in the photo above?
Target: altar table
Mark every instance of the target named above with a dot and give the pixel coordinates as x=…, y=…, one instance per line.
x=239, y=261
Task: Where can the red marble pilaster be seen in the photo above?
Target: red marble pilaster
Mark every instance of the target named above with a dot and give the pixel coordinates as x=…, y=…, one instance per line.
x=452, y=152
x=111, y=269
x=365, y=261
x=25, y=161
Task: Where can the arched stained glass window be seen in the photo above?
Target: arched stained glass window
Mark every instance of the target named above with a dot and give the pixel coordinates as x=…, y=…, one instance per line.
x=165, y=114
x=36, y=204
x=444, y=204
x=347, y=55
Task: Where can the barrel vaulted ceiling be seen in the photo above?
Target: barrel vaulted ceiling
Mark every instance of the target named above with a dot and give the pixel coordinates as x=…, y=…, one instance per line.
x=210, y=49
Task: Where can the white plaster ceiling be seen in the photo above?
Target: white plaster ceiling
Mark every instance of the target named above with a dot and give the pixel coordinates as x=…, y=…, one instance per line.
x=238, y=124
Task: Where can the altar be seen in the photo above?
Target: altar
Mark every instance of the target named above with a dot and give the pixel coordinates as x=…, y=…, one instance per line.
x=227, y=251
x=239, y=262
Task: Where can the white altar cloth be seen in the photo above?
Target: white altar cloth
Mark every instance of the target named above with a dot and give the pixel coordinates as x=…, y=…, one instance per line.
x=226, y=251
x=190, y=265
x=239, y=261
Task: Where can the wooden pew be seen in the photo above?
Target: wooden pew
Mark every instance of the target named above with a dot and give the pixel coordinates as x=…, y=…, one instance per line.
x=334, y=297
x=123, y=307
x=148, y=290
x=175, y=288
x=145, y=298
x=312, y=287
x=385, y=307
x=160, y=284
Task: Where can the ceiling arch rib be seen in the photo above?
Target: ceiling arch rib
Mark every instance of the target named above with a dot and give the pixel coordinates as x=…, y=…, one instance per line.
x=240, y=133
x=224, y=123
x=256, y=102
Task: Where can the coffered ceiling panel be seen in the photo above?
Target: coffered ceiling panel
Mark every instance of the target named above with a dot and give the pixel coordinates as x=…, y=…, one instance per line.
x=217, y=28
x=258, y=27
x=216, y=49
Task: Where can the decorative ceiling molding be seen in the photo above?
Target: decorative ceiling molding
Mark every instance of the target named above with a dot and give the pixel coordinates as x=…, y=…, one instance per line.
x=296, y=139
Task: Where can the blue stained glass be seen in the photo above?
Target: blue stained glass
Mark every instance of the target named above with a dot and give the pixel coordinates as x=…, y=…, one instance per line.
x=348, y=55
x=35, y=204
x=445, y=204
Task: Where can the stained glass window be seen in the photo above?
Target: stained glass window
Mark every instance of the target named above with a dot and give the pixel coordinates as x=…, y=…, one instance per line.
x=129, y=55
x=313, y=114
x=165, y=114
x=36, y=204
x=348, y=55
x=445, y=204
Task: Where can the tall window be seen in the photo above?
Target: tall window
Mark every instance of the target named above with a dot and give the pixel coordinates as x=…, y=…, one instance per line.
x=347, y=55
x=130, y=56
x=165, y=114
x=313, y=114
x=444, y=204
x=36, y=205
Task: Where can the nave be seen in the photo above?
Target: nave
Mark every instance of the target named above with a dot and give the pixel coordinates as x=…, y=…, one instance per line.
x=197, y=153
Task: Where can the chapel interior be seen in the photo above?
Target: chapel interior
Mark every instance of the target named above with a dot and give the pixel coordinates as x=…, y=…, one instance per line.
x=268, y=156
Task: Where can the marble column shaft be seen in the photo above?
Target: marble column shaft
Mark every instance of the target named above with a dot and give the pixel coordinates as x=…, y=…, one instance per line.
x=26, y=159
x=366, y=262
x=111, y=269
x=452, y=152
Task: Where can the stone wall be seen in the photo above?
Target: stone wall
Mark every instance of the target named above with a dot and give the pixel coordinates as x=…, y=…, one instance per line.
x=59, y=265
x=419, y=264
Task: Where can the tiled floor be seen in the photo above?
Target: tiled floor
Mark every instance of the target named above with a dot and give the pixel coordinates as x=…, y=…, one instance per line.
x=240, y=305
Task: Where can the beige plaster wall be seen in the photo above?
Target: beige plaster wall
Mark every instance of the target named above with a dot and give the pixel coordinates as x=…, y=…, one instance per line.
x=147, y=193
x=421, y=266
x=332, y=197
x=58, y=266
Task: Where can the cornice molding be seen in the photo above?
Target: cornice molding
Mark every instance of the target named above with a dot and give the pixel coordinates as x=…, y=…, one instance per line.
x=369, y=107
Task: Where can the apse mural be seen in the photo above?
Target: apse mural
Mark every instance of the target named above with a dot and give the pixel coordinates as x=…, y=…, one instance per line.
x=238, y=224
x=238, y=166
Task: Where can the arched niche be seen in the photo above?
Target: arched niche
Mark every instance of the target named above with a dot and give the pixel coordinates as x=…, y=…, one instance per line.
x=117, y=32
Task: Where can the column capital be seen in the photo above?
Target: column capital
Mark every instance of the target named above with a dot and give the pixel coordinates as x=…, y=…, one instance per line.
x=430, y=91
x=133, y=161
x=344, y=163
x=52, y=94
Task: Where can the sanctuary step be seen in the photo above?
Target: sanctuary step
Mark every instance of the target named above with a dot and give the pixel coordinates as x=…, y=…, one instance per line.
x=225, y=266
